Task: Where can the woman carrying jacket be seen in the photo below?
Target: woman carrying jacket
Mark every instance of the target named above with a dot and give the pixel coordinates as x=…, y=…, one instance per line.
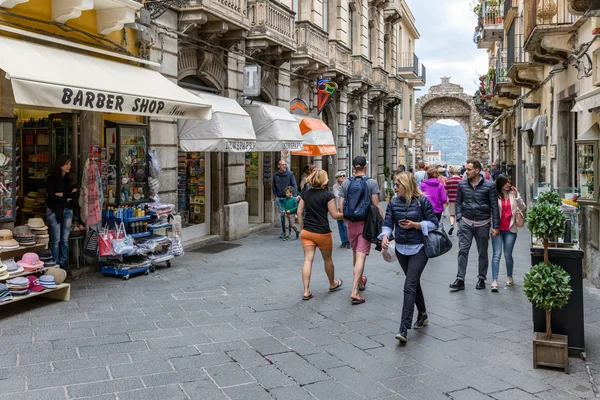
x=435, y=192
x=410, y=216
x=509, y=204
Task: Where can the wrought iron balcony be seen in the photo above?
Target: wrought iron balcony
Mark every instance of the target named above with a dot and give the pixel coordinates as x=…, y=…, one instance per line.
x=501, y=67
x=409, y=66
x=339, y=59
x=545, y=18
x=231, y=11
x=271, y=25
x=491, y=21
x=422, y=80
x=312, y=47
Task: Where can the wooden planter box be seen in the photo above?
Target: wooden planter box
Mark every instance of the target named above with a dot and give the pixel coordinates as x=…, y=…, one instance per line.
x=551, y=352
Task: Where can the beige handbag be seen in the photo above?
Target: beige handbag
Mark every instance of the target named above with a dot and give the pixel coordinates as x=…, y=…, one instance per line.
x=519, y=219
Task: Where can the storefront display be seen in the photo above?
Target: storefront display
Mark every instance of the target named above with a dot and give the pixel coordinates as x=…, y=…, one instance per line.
x=127, y=167
x=587, y=165
x=8, y=177
x=192, y=188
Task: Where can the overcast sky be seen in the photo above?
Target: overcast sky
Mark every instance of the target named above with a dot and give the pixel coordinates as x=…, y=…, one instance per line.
x=446, y=46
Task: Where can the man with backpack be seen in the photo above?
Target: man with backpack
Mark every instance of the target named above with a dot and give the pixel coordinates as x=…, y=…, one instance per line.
x=358, y=193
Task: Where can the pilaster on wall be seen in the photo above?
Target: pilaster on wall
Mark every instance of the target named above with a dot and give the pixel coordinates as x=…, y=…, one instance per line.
x=342, y=133
x=163, y=131
x=283, y=86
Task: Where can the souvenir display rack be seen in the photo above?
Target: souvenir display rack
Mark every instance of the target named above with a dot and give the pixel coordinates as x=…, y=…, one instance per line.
x=151, y=248
x=191, y=190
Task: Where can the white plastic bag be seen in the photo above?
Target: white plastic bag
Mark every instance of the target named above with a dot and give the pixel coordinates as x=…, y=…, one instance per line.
x=388, y=255
x=155, y=168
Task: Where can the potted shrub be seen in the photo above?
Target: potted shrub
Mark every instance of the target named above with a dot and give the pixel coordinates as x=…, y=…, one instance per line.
x=387, y=173
x=547, y=286
x=389, y=193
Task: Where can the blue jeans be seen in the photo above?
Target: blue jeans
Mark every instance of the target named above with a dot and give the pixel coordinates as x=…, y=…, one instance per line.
x=281, y=205
x=343, y=231
x=507, y=240
x=59, y=235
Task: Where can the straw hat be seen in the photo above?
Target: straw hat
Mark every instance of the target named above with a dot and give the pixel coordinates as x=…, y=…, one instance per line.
x=59, y=274
x=37, y=223
x=6, y=239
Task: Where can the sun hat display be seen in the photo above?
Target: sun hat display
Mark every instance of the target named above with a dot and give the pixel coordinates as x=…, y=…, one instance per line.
x=31, y=261
x=48, y=282
x=6, y=240
x=59, y=274
x=34, y=284
x=42, y=239
x=4, y=293
x=18, y=285
x=22, y=231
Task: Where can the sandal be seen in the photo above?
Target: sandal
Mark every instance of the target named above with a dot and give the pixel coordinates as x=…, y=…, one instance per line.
x=339, y=285
x=310, y=296
x=510, y=282
x=494, y=287
x=364, y=280
x=357, y=300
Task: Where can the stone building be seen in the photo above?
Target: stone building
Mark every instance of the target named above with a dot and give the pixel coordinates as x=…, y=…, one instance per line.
x=366, y=48
x=540, y=96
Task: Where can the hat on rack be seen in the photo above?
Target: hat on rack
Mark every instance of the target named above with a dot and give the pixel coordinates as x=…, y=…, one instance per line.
x=30, y=261
x=13, y=268
x=42, y=239
x=34, y=284
x=59, y=274
x=48, y=281
x=46, y=256
x=22, y=231
x=6, y=239
x=37, y=224
x=4, y=272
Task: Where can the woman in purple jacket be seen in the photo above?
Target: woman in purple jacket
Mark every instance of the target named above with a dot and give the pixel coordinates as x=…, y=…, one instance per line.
x=434, y=191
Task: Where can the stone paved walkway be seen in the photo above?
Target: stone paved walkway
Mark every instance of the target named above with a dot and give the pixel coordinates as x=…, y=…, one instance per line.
x=228, y=322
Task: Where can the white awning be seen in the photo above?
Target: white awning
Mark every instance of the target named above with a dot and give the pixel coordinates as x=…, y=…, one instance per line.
x=535, y=130
x=229, y=130
x=44, y=76
x=587, y=101
x=275, y=128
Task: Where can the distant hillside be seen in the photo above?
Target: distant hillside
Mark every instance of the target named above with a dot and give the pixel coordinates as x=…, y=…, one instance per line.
x=451, y=140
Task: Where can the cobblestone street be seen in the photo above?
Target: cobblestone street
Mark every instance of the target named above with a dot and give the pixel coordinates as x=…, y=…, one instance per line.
x=228, y=322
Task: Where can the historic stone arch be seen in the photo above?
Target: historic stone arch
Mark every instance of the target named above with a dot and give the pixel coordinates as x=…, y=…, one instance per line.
x=449, y=101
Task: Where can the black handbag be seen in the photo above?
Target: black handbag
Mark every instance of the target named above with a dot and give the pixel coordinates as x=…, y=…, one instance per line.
x=437, y=242
x=90, y=244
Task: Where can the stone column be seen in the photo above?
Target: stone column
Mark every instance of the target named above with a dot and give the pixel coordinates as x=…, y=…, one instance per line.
x=342, y=132
x=163, y=131
x=233, y=215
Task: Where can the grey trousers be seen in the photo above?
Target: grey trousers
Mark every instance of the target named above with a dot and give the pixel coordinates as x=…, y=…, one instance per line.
x=465, y=238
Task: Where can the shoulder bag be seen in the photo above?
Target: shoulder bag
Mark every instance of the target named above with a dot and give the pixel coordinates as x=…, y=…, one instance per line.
x=437, y=242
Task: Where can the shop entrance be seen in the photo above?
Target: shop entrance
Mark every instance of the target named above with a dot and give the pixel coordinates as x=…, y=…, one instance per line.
x=194, y=193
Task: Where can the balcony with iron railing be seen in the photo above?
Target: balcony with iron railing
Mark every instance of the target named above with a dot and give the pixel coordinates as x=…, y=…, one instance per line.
x=502, y=67
x=409, y=65
x=422, y=79
x=231, y=11
x=548, y=17
x=271, y=24
x=312, y=47
x=490, y=28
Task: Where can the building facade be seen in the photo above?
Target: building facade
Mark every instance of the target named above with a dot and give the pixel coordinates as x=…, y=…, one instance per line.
x=539, y=97
x=365, y=48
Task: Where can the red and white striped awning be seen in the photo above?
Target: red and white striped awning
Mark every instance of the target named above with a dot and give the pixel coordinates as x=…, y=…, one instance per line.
x=317, y=138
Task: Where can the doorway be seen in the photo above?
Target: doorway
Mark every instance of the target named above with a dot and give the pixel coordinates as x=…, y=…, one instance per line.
x=254, y=187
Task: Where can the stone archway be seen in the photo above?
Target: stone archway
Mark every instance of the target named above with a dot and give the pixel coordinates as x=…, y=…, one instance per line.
x=449, y=101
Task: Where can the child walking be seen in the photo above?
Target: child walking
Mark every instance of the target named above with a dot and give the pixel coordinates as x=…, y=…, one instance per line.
x=290, y=207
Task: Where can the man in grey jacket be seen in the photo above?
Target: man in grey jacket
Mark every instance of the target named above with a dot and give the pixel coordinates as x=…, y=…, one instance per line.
x=476, y=211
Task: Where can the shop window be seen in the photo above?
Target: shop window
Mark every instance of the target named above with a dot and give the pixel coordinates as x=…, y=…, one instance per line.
x=192, y=188
x=8, y=178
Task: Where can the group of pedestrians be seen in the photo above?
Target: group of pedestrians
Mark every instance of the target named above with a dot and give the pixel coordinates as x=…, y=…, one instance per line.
x=480, y=206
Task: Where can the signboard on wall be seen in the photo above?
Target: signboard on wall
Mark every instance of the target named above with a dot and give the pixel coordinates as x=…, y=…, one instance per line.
x=252, y=80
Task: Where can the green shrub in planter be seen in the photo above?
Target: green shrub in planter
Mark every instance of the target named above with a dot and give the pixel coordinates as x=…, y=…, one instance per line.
x=547, y=285
x=550, y=197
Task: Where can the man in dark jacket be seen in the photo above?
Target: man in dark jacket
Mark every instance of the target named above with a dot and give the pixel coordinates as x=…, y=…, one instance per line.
x=476, y=211
x=281, y=180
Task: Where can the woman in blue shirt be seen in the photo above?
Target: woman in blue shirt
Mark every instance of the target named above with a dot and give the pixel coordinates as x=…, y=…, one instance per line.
x=410, y=215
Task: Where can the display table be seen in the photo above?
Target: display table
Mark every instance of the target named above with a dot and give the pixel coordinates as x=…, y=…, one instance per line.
x=63, y=290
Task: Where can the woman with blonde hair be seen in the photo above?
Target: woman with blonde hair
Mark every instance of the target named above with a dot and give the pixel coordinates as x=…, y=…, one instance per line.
x=409, y=216
x=314, y=205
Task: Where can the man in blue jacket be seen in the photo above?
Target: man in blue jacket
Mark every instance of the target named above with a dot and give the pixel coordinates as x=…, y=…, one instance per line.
x=281, y=180
x=476, y=212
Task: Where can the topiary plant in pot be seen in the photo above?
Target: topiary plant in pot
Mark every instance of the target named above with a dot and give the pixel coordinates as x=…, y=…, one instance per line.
x=547, y=286
x=550, y=197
